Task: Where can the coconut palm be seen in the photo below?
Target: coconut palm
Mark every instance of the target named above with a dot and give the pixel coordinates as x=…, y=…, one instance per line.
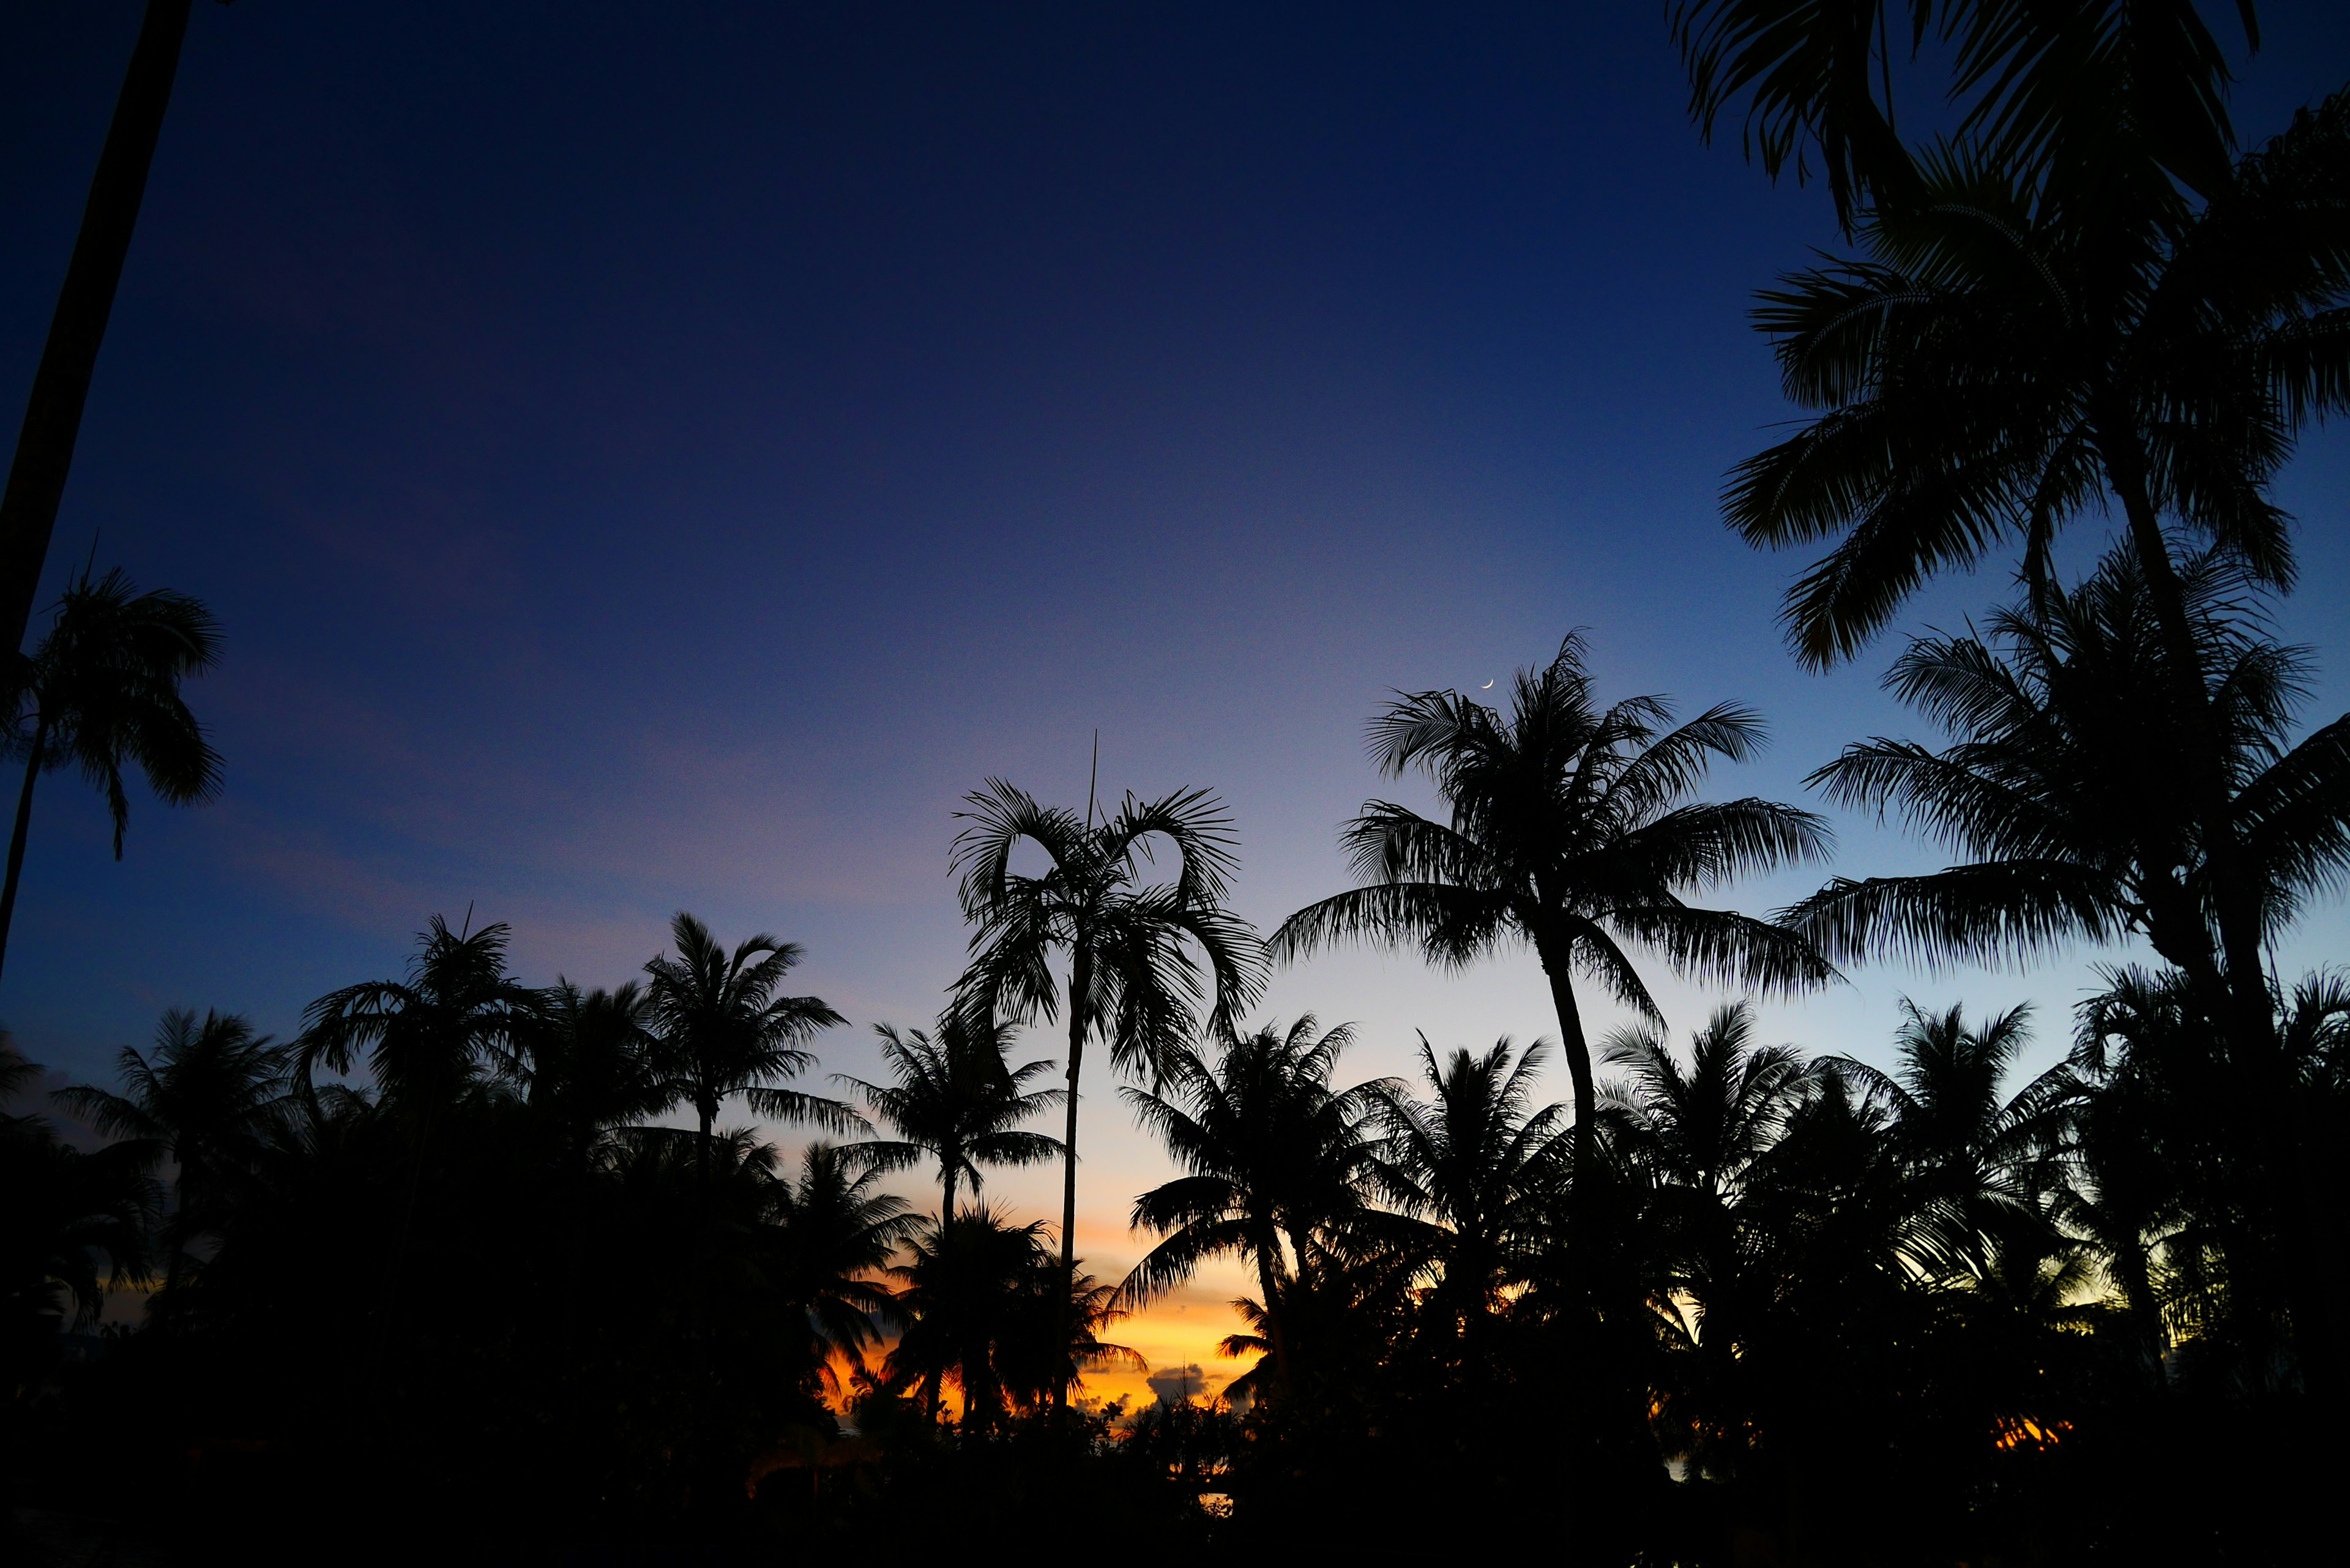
x=969, y=1289
x=1994, y=369
x=1571, y=830
x=724, y=1032
x=103, y=691
x=433, y=1038
x=45, y=445
x=1129, y=943
x=1274, y=1158
x=585, y=1060
x=834, y=1238
x=1703, y=1135
x=957, y=1101
x=1473, y=1163
x=1705, y=1125
x=2061, y=92
x=206, y=1101
x=2059, y=788
x=1975, y=1155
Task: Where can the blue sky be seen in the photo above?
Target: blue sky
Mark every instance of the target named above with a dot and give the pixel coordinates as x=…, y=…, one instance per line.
x=659, y=457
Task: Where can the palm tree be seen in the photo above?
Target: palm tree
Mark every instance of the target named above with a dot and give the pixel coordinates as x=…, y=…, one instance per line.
x=65, y=1211
x=965, y=1289
x=1571, y=830
x=835, y=1237
x=1473, y=1162
x=957, y=1101
x=1974, y=1157
x=103, y=689
x=1998, y=365
x=586, y=1063
x=1128, y=942
x=206, y=1101
x=433, y=1038
x=1705, y=1125
x=45, y=445
x=1705, y=1135
x=1275, y=1157
x=724, y=1032
x=2061, y=92
x=2066, y=724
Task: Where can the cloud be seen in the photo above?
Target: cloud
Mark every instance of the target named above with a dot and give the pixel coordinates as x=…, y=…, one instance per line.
x=1178, y=1385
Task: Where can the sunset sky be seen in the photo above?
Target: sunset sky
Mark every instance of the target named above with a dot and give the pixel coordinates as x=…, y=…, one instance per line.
x=659, y=457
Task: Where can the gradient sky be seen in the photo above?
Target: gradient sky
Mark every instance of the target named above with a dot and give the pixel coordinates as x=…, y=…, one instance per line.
x=657, y=457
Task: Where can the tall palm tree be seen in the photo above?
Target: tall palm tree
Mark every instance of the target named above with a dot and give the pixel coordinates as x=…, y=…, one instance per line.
x=206, y=1101
x=103, y=690
x=1128, y=942
x=957, y=1101
x=2062, y=91
x=1994, y=367
x=45, y=444
x=725, y=1032
x=1473, y=1162
x=1572, y=830
x=1274, y=1159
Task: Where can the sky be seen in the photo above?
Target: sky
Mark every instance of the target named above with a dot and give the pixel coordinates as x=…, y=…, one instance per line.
x=649, y=458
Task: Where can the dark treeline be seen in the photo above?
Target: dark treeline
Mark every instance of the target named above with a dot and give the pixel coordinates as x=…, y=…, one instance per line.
x=468, y=1265
x=490, y=1256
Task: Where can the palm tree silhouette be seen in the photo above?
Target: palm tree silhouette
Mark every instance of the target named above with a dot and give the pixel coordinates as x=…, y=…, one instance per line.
x=1572, y=830
x=834, y=1236
x=1998, y=365
x=2063, y=716
x=432, y=1040
x=2063, y=94
x=1128, y=943
x=104, y=691
x=723, y=1031
x=66, y=1212
x=457, y=1020
x=957, y=1101
x=1275, y=1159
x=205, y=1101
x=1471, y=1163
x=1974, y=1157
x=966, y=1290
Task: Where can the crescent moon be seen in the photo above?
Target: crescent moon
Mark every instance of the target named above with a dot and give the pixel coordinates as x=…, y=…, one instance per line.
x=1487, y=687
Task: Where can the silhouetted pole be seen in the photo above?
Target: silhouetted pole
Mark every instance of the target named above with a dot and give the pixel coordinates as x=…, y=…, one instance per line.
x=44, y=447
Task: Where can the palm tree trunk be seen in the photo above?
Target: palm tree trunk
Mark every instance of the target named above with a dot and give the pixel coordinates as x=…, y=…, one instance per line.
x=1574, y=1046
x=45, y=446
x=934, y=1381
x=1080, y=988
x=2313, y=1293
x=1268, y=1281
x=33, y=761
